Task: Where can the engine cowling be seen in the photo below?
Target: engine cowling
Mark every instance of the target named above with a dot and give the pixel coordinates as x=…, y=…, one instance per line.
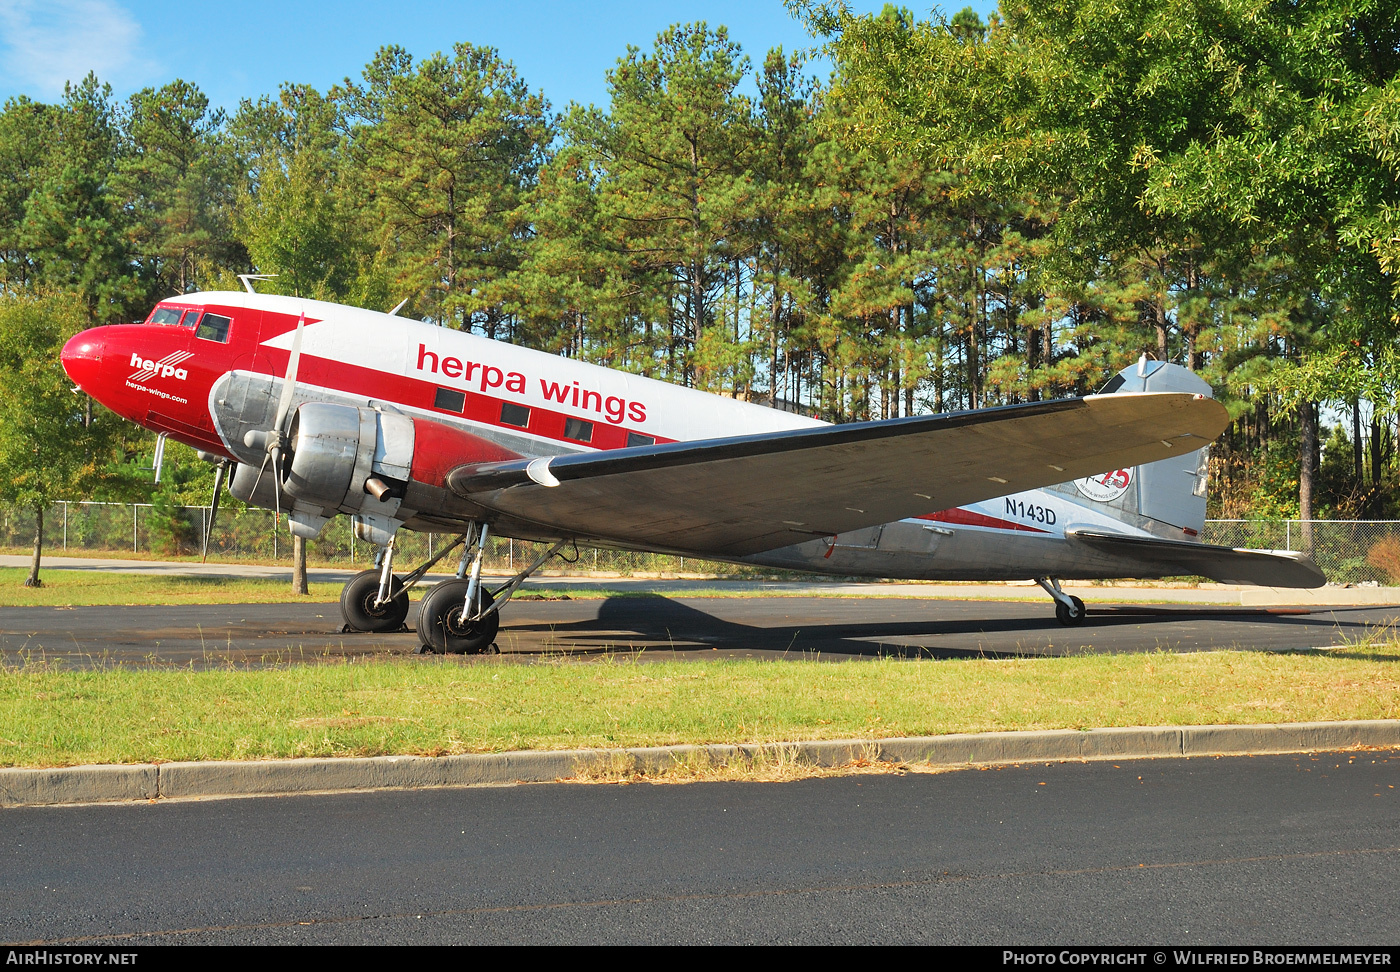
x=356, y=460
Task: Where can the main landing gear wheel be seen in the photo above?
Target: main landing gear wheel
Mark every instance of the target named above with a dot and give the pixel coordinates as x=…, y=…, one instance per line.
x=442, y=628
x=358, y=608
x=1070, y=616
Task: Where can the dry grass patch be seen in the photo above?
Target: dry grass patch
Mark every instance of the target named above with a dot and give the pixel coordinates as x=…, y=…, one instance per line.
x=775, y=762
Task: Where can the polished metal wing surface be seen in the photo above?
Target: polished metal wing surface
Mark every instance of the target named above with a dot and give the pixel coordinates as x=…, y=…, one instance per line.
x=1227, y=565
x=742, y=495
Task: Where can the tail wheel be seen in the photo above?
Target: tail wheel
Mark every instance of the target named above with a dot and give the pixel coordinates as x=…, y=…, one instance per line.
x=361, y=613
x=1070, y=616
x=443, y=628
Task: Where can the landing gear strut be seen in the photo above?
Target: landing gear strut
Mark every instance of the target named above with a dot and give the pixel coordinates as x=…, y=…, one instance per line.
x=461, y=616
x=1069, y=610
x=457, y=616
x=375, y=600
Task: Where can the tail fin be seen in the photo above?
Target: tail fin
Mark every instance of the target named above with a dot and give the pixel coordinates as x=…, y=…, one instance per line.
x=1167, y=498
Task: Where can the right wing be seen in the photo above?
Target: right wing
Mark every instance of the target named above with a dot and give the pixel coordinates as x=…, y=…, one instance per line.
x=1227, y=565
x=746, y=494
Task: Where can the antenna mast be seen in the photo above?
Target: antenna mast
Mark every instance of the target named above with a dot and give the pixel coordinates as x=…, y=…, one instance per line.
x=248, y=279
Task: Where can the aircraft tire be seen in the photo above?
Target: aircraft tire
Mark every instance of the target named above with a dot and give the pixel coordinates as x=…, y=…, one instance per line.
x=359, y=611
x=440, y=625
x=1070, y=617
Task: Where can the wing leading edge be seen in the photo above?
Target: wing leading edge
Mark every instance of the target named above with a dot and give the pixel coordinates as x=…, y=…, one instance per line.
x=743, y=495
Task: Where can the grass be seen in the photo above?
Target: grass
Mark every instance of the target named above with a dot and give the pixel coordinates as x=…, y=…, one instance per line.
x=71, y=588
x=82, y=588
x=427, y=706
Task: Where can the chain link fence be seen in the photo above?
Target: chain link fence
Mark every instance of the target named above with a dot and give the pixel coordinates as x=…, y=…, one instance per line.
x=1348, y=551
x=150, y=531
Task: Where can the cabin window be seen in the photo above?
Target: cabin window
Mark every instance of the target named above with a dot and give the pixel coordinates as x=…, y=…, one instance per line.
x=578, y=429
x=213, y=327
x=450, y=400
x=516, y=415
x=164, y=315
x=637, y=439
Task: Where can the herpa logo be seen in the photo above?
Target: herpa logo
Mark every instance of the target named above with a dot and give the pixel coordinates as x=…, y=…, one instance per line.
x=166, y=367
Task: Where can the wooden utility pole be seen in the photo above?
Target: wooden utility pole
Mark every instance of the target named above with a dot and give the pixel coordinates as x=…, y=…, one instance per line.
x=299, y=585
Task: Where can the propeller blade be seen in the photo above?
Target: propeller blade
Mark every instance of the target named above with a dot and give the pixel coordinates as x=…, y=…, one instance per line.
x=276, y=456
x=219, y=471
x=260, y=472
x=271, y=440
x=289, y=383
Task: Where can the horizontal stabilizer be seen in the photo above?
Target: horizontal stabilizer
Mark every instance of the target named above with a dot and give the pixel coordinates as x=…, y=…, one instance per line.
x=1226, y=565
x=746, y=494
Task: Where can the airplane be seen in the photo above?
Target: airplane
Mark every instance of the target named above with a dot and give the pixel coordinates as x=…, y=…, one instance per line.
x=319, y=409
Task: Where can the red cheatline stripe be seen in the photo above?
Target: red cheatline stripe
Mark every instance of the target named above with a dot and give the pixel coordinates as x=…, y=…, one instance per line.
x=968, y=518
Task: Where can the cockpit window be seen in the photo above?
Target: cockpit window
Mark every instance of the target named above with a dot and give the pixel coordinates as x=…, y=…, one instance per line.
x=164, y=315
x=191, y=316
x=213, y=327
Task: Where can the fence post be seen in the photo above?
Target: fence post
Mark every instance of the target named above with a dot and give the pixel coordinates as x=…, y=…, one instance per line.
x=134, y=508
x=1288, y=535
x=65, y=526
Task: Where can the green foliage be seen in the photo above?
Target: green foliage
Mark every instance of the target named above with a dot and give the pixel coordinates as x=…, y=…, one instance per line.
x=668, y=164
x=174, y=529
x=72, y=222
x=176, y=178
x=295, y=216
x=446, y=150
x=967, y=214
x=53, y=443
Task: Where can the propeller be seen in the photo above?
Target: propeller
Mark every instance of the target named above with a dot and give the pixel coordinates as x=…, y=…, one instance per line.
x=220, y=471
x=274, y=440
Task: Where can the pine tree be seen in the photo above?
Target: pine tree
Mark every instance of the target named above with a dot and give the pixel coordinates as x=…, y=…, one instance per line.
x=448, y=150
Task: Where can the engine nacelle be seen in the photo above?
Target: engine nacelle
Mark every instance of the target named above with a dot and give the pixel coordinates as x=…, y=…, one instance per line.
x=347, y=459
x=334, y=450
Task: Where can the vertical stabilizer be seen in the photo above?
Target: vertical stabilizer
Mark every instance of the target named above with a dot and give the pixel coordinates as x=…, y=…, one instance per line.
x=1167, y=498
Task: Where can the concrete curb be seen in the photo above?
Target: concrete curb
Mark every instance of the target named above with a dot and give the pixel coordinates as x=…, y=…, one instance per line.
x=213, y=779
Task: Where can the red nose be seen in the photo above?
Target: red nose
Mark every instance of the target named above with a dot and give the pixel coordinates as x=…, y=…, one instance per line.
x=82, y=357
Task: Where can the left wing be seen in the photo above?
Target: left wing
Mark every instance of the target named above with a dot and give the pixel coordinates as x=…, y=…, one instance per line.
x=746, y=494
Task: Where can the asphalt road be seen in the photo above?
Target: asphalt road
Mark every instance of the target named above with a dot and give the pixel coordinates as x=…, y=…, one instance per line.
x=678, y=627
x=1264, y=850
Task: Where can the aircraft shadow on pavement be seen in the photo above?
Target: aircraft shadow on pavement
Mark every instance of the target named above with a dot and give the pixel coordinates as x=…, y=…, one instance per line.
x=656, y=623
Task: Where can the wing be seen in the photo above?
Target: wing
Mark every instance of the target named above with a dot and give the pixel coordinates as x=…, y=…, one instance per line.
x=742, y=495
x=1228, y=565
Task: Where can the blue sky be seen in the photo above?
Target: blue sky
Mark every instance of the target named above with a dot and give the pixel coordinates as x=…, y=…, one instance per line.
x=245, y=49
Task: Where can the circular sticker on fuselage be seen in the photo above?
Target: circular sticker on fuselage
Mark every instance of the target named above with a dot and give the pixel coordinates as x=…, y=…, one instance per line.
x=1107, y=487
